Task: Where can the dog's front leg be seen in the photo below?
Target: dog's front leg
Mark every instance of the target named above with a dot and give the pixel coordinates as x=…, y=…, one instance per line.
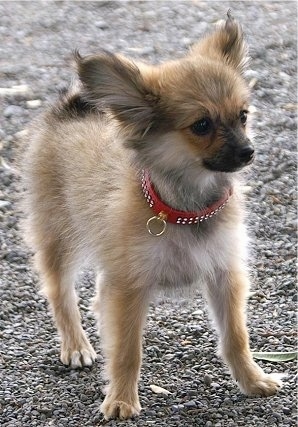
x=227, y=298
x=122, y=314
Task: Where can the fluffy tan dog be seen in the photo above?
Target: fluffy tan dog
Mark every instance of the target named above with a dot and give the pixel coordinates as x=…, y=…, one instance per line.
x=135, y=171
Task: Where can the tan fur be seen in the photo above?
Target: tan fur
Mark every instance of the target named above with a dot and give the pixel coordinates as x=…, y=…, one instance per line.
x=85, y=203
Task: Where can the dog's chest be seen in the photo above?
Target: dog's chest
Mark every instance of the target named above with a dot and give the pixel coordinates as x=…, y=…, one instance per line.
x=184, y=260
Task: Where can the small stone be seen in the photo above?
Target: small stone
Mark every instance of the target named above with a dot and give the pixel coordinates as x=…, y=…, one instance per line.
x=159, y=390
x=45, y=410
x=207, y=380
x=197, y=313
x=14, y=90
x=190, y=404
x=150, y=413
x=277, y=416
x=227, y=401
x=4, y=204
x=192, y=392
x=215, y=385
x=13, y=110
x=33, y=103
x=101, y=24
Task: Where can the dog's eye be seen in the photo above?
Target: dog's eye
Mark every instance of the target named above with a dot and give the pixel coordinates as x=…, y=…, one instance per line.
x=202, y=127
x=243, y=117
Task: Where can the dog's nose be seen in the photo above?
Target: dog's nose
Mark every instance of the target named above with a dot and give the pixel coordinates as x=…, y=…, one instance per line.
x=246, y=153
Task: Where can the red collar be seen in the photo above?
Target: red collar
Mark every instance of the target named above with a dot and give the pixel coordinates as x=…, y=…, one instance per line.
x=168, y=214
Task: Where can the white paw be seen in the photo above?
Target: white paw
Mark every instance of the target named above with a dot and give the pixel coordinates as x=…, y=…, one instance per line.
x=262, y=384
x=118, y=408
x=83, y=355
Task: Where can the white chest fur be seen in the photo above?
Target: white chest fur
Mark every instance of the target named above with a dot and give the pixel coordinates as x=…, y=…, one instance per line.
x=182, y=259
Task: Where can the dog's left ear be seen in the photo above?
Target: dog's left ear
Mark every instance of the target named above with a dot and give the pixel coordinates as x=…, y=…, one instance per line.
x=226, y=43
x=116, y=83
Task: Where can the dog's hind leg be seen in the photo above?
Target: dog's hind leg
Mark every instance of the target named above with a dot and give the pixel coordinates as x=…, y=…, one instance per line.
x=227, y=298
x=123, y=311
x=58, y=285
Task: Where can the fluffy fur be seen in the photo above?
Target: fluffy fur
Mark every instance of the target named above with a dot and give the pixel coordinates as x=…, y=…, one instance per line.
x=184, y=121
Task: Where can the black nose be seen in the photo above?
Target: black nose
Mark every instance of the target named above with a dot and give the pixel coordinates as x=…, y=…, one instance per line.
x=246, y=153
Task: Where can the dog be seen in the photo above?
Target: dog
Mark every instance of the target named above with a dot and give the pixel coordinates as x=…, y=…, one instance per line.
x=135, y=171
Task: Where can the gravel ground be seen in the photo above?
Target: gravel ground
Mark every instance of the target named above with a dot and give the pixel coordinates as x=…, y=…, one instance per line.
x=37, y=39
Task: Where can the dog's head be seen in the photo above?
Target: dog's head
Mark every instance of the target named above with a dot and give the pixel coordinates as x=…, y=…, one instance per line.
x=191, y=111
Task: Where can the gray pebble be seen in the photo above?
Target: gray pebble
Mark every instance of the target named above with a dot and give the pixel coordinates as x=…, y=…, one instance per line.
x=207, y=380
x=190, y=404
x=13, y=111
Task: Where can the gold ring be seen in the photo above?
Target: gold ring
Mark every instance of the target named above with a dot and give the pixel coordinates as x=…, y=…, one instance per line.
x=156, y=221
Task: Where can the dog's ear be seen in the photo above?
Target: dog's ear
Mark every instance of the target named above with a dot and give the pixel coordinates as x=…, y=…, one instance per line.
x=113, y=82
x=225, y=43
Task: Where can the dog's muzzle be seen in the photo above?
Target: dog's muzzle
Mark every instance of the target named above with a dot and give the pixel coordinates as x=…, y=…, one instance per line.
x=234, y=154
x=246, y=154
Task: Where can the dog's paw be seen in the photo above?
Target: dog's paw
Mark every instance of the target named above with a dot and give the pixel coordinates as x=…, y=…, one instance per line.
x=77, y=356
x=116, y=408
x=262, y=384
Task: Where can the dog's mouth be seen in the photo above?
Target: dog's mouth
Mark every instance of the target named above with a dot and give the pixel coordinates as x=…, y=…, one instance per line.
x=250, y=161
x=218, y=167
x=228, y=161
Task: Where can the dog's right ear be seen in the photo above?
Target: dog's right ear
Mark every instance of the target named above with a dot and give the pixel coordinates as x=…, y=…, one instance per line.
x=113, y=82
x=226, y=43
